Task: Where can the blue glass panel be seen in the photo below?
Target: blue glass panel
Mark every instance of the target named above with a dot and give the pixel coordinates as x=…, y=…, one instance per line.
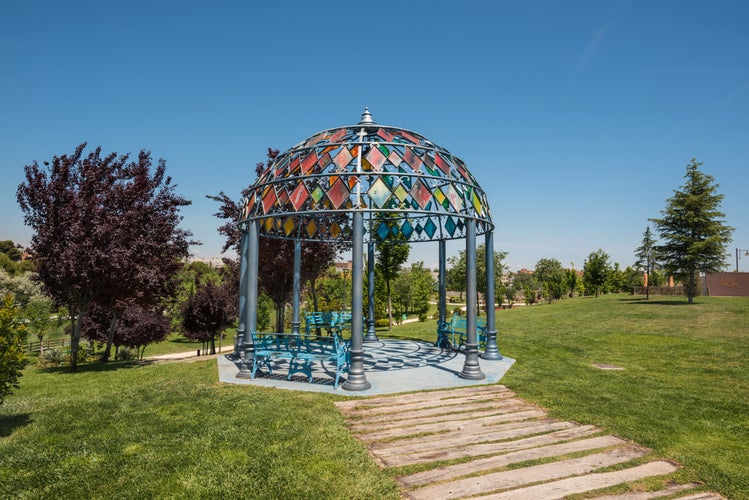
x=383, y=231
x=450, y=226
x=430, y=228
x=407, y=230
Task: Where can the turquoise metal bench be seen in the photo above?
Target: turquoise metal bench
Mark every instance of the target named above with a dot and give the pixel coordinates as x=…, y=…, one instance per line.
x=301, y=351
x=453, y=335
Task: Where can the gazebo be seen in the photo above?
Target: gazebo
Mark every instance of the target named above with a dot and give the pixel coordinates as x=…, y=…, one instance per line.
x=368, y=183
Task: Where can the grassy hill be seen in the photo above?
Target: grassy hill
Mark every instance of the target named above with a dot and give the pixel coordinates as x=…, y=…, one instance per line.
x=171, y=430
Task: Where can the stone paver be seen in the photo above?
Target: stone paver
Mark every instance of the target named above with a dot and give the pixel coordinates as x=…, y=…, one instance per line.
x=489, y=433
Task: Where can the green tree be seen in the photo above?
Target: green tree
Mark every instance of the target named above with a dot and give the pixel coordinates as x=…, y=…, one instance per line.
x=456, y=273
x=646, y=258
x=550, y=275
x=12, y=354
x=12, y=250
x=412, y=289
x=391, y=253
x=596, y=270
x=694, y=234
x=571, y=281
x=526, y=285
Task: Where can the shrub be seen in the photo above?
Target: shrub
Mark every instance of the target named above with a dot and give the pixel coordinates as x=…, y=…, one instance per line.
x=381, y=322
x=423, y=317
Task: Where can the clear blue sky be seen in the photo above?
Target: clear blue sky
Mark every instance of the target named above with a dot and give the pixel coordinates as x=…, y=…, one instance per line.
x=577, y=117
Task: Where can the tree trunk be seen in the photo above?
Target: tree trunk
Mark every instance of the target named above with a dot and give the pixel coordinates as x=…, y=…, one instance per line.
x=213, y=344
x=280, y=310
x=110, y=339
x=691, y=287
x=390, y=307
x=75, y=339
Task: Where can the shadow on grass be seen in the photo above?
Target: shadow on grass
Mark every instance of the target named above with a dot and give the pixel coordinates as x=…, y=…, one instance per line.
x=98, y=366
x=657, y=302
x=9, y=423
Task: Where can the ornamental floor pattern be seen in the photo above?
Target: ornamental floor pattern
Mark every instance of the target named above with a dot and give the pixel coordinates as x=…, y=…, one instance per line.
x=390, y=365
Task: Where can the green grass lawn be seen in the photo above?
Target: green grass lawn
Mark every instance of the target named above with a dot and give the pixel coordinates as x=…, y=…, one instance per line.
x=685, y=388
x=166, y=430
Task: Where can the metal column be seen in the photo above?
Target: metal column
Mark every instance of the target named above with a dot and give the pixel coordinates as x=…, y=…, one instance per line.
x=253, y=249
x=442, y=278
x=357, y=380
x=471, y=368
x=296, y=292
x=371, y=335
x=491, y=351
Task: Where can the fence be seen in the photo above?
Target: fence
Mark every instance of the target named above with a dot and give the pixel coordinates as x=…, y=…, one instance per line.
x=36, y=346
x=659, y=290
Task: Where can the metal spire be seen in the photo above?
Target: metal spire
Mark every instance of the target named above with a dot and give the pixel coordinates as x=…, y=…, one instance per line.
x=366, y=118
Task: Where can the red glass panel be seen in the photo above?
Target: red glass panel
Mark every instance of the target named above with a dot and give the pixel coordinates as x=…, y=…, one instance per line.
x=412, y=159
x=309, y=162
x=342, y=159
x=338, y=193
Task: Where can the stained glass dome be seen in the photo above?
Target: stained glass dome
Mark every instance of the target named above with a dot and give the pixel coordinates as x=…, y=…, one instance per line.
x=406, y=186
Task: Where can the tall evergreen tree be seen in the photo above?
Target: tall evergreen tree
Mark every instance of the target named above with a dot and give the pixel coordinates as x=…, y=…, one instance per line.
x=646, y=258
x=693, y=231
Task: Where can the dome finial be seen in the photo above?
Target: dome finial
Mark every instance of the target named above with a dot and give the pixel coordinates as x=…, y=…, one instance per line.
x=366, y=117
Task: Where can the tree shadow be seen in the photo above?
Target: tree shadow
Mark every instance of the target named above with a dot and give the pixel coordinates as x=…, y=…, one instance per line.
x=9, y=423
x=657, y=302
x=99, y=366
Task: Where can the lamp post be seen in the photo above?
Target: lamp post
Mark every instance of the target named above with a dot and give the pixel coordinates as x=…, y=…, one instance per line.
x=738, y=256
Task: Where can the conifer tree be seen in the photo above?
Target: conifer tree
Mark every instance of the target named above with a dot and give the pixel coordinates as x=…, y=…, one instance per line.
x=693, y=231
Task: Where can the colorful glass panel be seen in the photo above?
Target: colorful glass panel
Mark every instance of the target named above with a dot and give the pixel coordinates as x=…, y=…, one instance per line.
x=412, y=159
x=269, y=199
x=299, y=196
x=335, y=230
x=385, y=134
x=476, y=202
x=410, y=137
x=342, y=159
x=383, y=231
x=455, y=199
x=324, y=161
x=338, y=193
x=379, y=193
x=288, y=225
x=401, y=192
x=394, y=158
x=429, y=164
x=421, y=193
x=311, y=228
x=340, y=134
x=376, y=158
x=430, y=228
x=439, y=196
x=317, y=194
x=407, y=230
x=309, y=162
x=442, y=164
x=450, y=226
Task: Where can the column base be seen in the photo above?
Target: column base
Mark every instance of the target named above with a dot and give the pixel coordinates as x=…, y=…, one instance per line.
x=471, y=368
x=356, y=380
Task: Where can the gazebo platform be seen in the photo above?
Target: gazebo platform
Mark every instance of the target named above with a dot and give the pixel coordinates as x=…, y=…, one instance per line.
x=391, y=366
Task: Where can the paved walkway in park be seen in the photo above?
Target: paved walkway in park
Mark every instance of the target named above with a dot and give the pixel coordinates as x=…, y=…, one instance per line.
x=484, y=442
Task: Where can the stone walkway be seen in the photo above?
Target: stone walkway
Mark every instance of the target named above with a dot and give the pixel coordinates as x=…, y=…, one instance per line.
x=484, y=442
